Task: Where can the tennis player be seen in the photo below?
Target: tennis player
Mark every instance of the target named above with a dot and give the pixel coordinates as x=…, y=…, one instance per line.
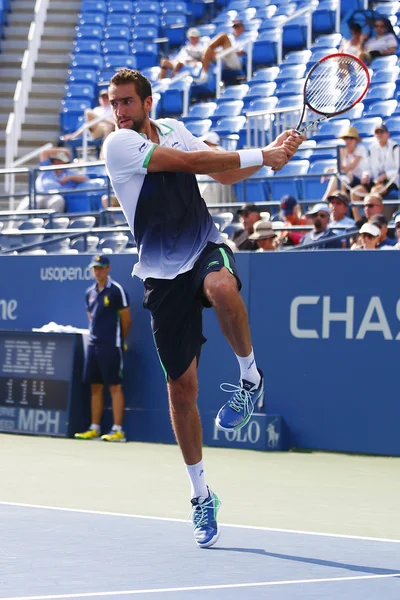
x=184, y=262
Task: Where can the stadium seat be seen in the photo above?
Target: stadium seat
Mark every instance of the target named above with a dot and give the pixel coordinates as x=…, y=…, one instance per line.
x=117, y=61
x=57, y=223
x=331, y=41
x=58, y=246
x=71, y=110
x=228, y=125
x=89, y=32
x=223, y=219
x=174, y=27
x=385, y=75
x=32, y=224
x=264, y=75
x=289, y=88
x=295, y=35
x=232, y=228
x=86, y=46
x=331, y=129
x=384, y=62
x=383, y=109
x=79, y=91
x=172, y=100
x=233, y=92
x=260, y=90
x=144, y=19
x=147, y=34
x=292, y=185
x=286, y=10
x=94, y=6
x=354, y=113
x=324, y=18
x=142, y=6
x=93, y=61
x=366, y=125
x=230, y=108
x=151, y=73
x=86, y=244
x=119, y=19
x=174, y=7
x=298, y=57
x=393, y=124
x=91, y=19
x=77, y=75
x=290, y=72
x=116, y=243
x=117, y=32
x=254, y=188
x=312, y=186
x=199, y=127
x=145, y=53
x=115, y=47
x=265, y=48
x=266, y=12
x=383, y=91
x=120, y=6
x=272, y=23
x=86, y=222
x=200, y=110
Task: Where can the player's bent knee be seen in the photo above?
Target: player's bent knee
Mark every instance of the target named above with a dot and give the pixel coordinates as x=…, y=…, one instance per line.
x=221, y=290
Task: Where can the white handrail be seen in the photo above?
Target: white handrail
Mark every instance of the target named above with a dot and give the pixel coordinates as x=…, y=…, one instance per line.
x=261, y=120
x=307, y=10
x=24, y=85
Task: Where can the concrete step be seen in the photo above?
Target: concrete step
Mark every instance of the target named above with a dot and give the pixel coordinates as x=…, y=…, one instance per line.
x=45, y=105
x=7, y=90
x=53, y=18
x=6, y=103
x=44, y=121
x=14, y=45
x=51, y=90
x=9, y=74
x=59, y=32
x=56, y=46
x=50, y=75
x=17, y=32
x=36, y=137
x=18, y=18
x=12, y=59
x=55, y=5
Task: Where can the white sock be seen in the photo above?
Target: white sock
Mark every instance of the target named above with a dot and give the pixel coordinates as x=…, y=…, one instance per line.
x=95, y=427
x=248, y=368
x=197, y=481
x=116, y=428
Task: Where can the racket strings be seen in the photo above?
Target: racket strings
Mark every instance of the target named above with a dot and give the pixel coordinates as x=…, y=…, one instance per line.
x=335, y=85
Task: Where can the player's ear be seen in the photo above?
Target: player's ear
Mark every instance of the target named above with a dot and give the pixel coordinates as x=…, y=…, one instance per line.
x=148, y=103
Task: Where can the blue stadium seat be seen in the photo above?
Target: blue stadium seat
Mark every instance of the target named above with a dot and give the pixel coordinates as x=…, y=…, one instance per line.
x=116, y=32
x=272, y=23
x=264, y=75
x=233, y=92
x=295, y=35
x=80, y=91
x=386, y=75
x=57, y=223
x=71, y=111
x=85, y=245
x=120, y=6
x=387, y=9
x=151, y=73
x=230, y=108
x=77, y=75
x=316, y=55
x=261, y=90
x=94, y=6
x=105, y=75
x=331, y=40
x=383, y=91
x=118, y=19
x=200, y=110
x=266, y=12
x=265, y=48
x=145, y=19
x=86, y=46
x=89, y=32
x=298, y=57
x=172, y=100
x=228, y=125
x=116, y=243
x=199, y=127
x=290, y=101
x=146, y=54
x=383, y=109
x=142, y=6
x=117, y=61
x=237, y=4
x=97, y=19
x=174, y=28
x=354, y=113
x=290, y=72
x=174, y=7
x=286, y=10
x=384, y=62
x=264, y=104
x=32, y=224
x=366, y=125
x=393, y=124
x=94, y=61
x=223, y=219
x=144, y=33
x=331, y=129
x=324, y=18
x=325, y=150
x=289, y=88
x=86, y=222
x=254, y=188
x=312, y=186
x=206, y=29
x=292, y=186
x=115, y=47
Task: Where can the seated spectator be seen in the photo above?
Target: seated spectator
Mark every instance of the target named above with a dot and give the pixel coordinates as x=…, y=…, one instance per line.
x=383, y=43
x=339, y=207
x=369, y=237
x=188, y=55
x=223, y=41
x=291, y=215
x=354, y=162
x=383, y=174
x=212, y=191
x=397, y=227
x=58, y=180
x=352, y=46
x=113, y=202
x=101, y=129
x=320, y=214
x=381, y=222
x=264, y=236
x=249, y=215
x=373, y=205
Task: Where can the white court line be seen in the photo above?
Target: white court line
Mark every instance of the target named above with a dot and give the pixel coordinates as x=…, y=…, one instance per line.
x=202, y=587
x=174, y=520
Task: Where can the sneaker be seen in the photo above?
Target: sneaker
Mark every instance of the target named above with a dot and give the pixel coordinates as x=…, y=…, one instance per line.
x=90, y=434
x=202, y=78
x=204, y=518
x=236, y=413
x=114, y=436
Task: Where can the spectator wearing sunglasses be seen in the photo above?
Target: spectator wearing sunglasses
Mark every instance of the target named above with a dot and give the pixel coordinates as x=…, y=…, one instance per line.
x=382, y=223
x=369, y=237
x=320, y=215
x=383, y=43
x=397, y=228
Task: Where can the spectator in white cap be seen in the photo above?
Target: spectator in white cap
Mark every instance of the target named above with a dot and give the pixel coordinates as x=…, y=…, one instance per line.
x=264, y=235
x=320, y=214
x=223, y=41
x=369, y=236
x=397, y=228
x=190, y=54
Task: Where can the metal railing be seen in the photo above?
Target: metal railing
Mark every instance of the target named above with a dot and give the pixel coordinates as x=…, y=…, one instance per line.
x=24, y=85
x=307, y=11
x=259, y=122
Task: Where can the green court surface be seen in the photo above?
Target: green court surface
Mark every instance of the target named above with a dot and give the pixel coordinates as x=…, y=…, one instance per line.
x=316, y=492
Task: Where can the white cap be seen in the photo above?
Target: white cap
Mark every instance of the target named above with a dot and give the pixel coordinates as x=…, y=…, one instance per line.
x=193, y=32
x=317, y=207
x=211, y=137
x=62, y=155
x=397, y=219
x=371, y=229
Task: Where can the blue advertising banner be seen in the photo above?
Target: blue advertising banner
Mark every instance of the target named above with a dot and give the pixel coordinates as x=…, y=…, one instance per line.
x=325, y=327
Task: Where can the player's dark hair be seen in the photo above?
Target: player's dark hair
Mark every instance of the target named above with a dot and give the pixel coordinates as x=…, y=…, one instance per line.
x=355, y=28
x=141, y=83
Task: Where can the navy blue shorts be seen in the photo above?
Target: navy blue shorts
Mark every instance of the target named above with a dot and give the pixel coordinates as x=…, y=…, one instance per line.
x=103, y=365
x=176, y=307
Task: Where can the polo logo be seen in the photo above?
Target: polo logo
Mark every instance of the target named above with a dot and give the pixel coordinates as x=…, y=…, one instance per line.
x=214, y=262
x=273, y=435
x=142, y=147
x=175, y=144
x=106, y=301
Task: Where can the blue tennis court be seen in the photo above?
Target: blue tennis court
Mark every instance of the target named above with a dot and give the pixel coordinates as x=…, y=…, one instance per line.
x=55, y=553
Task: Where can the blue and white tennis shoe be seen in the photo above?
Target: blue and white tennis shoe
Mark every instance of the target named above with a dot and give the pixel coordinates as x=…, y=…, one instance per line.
x=236, y=413
x=204, y=518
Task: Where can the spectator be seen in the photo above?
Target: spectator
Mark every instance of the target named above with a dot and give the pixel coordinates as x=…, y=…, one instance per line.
x=373, y=205
x=352, y=46
x=109, y=315
x=264, y=236
x=339, y=207
x=320, y=214
x=383, y=44
x=353, y=163
x=101, y=129
x=397, y=227
x=381, y=222
x=188, y=55
x=291, y=214
x=249, y=215
x=369, y=236
x=223, y=41
x=212, y=191
x=383, y=174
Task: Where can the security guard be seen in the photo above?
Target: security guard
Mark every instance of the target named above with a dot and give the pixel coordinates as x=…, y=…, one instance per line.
x=109, y=315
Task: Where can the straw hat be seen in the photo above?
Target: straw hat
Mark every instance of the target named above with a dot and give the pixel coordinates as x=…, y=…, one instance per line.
x=351, y=132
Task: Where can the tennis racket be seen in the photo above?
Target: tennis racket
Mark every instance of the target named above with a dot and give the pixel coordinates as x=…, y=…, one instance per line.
x=334, y=85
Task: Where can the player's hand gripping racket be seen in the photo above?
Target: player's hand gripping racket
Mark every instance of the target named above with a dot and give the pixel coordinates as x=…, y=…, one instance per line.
x=334, y=84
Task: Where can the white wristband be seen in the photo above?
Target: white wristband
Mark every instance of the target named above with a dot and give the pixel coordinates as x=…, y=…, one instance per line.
x=250, y=158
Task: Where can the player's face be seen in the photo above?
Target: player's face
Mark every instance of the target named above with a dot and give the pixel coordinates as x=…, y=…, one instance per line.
x=130, y=112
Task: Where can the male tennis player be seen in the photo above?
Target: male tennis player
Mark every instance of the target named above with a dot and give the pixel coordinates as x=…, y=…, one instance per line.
x=184, y=263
